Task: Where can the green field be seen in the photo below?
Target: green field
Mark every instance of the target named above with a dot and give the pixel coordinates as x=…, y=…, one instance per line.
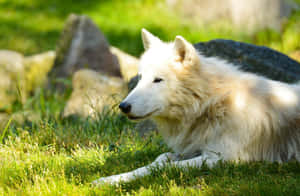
x=55, y=156
x=32, y=26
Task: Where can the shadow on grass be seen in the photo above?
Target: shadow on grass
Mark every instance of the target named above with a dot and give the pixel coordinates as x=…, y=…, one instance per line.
x=87, y=170
x=226, y=178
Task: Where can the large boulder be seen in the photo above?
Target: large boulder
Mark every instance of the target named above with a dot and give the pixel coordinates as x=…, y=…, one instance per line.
x=82, y=45
x=92, y=91
x=250, y=14
x=12, y=80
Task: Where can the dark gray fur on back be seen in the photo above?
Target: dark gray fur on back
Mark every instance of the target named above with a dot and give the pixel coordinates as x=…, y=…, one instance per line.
x=256, y=59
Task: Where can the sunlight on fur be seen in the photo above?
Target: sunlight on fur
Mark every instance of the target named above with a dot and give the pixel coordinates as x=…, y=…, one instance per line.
x=240, y=102
x=285, y=96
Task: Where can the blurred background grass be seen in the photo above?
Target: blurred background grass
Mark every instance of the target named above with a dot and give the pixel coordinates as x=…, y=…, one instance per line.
x=32, y=26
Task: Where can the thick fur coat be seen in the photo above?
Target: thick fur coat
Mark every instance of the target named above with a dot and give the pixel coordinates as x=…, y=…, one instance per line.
x=208, y=110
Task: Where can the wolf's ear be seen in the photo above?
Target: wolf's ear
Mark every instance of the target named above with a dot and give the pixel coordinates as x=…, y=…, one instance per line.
x=149, y=39
x=186, y=53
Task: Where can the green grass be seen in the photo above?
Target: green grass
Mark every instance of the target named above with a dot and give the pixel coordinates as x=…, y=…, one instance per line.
x=55, y=156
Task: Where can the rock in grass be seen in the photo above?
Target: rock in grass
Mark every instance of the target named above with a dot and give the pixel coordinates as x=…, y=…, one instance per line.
x=92, y=91
x=82, y=45
x=251, y=58
x=12, y=80
x=37, y=68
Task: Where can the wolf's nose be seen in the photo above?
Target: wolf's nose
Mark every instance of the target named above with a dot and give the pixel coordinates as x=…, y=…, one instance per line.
x=125, y=107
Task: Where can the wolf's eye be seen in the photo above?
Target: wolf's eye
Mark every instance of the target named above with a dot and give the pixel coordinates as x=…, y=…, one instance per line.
x=157, y=80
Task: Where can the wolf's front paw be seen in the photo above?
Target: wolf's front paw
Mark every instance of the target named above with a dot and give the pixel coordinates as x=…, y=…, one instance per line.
x=113, y=180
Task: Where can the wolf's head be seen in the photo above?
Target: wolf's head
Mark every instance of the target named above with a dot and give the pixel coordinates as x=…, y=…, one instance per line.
x=165, y=73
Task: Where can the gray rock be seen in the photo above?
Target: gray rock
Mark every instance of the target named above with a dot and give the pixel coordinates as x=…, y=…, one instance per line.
x=257, y=59
x=249, y=14
x=82, y=45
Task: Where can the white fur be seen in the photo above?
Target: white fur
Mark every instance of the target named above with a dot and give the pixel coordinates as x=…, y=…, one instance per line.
x=208, y=105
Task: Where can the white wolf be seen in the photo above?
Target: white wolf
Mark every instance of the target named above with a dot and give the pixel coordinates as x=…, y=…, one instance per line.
x=208, y=110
